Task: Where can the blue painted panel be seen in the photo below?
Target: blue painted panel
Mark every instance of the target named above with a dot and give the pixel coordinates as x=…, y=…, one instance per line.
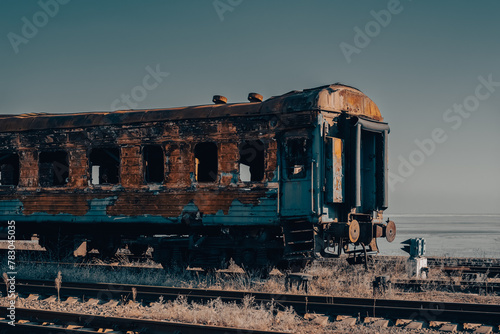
x=264, y=213
x=296, y=198
x=240, y=214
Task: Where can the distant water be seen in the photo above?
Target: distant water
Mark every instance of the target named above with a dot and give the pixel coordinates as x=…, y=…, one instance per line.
x=447, y=235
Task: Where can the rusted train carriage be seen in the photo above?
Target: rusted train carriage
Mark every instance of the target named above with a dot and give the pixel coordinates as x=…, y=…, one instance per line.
x=292, y=178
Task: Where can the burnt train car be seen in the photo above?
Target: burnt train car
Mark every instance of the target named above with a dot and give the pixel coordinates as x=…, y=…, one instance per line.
x=292, y=178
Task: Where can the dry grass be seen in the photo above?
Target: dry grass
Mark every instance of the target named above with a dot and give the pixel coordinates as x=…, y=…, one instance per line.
x=58, y=283
x=23, y=245
x=336, y=278
x=248, y=314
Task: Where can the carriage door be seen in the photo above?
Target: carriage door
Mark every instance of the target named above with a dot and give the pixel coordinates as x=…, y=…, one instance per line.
x=296, y=177
x=371, y=173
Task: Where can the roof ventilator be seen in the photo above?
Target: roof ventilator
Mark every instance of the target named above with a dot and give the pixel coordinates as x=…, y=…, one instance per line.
x=219, y=99
x=254, y=97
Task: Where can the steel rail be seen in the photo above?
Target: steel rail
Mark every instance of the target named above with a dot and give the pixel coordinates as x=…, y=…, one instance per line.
x=443, y=285
x=43, y=321
x=465, y=265
x=363, y=307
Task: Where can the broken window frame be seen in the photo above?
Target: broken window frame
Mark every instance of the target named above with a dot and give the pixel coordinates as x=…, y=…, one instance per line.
x=297, y=157
x=147, y=163
x=252, y=155
x=58, y=167
x=209, y=176
x=6, y=156
x=115, y=156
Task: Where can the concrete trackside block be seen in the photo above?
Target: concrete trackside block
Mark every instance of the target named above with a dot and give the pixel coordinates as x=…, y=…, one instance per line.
x=437, y=324
x=32, y=297
x=92, y=302
x=449, y=328
x=484, y=330
x=321, y=320
x=71, y=300
x=414, y=325
x=74, y=327
x=381, y=323
x=402, y=322
x=112, y=303
x=318, y=319
x=50, y=299
x=470, y=326
x=348, y=321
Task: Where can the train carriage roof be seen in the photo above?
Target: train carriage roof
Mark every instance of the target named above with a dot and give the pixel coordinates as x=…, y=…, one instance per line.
x=334, y=98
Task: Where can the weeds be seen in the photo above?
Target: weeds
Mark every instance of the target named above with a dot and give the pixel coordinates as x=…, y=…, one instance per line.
x=58, y=282
x=6, y=281
x=335, y=277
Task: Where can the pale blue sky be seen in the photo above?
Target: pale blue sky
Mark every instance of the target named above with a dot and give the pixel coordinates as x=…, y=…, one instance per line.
x=425, y=60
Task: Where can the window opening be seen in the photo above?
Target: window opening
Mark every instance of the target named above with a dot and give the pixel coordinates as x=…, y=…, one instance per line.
x=206, y=162
x=296, y=157
x=53, y=168
x=154, y=164
x=252, y=161
x=9, y=169
x=105, y=165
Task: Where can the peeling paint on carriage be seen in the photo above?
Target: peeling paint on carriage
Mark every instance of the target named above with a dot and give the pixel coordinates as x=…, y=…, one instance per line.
x=102, y=211
x=210, y=215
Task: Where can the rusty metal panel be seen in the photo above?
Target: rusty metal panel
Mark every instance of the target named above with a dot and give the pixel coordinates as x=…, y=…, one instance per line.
x=296, y=175
x=223, y=202
x=334, y=171
x=357, y=103
x=335, y=98
x=178, y=130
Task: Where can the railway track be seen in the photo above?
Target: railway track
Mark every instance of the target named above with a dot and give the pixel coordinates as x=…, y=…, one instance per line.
x=43, y=321
x=330, y=305
x=489, y=267
x=464, y=262
x=412, y=285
